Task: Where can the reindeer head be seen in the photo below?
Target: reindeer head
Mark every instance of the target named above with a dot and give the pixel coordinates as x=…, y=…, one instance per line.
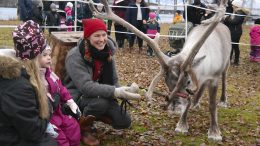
x=183, y=88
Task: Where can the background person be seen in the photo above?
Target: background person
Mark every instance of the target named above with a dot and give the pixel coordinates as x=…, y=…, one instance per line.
x=120, y=30
x=234, y=23
x=37, y=12
x=138, y=17
x=25, y=10
x=229, y=8
x=53, y=18
x=178, y=17
x=195, y=15
x=69, y=20
x=255, y=42
x=83, y=12
x=152, y=28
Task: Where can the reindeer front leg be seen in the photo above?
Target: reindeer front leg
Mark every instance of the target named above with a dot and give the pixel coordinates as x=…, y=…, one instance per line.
x=154, y=82
x=198, y=95
x=213, y=132
x=182, y=125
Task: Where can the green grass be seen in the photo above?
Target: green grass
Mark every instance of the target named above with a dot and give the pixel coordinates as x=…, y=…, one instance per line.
x=6, y=40
x=139, y=128
x=6, y=37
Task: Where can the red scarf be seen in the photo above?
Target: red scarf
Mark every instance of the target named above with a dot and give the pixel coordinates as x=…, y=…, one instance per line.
x=97, y=64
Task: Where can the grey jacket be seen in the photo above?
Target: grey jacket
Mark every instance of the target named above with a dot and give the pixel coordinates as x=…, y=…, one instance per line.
x=79, y=74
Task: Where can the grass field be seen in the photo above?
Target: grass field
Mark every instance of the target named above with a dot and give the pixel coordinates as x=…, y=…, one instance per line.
x=239, y=123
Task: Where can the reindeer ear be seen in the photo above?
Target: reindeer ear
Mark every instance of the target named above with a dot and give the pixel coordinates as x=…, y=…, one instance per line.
x=197, y=61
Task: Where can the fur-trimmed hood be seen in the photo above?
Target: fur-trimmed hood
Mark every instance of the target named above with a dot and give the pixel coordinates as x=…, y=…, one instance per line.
x=9, y=67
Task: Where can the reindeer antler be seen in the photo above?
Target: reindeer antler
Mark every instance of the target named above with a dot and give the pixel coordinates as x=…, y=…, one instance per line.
x=162, y=58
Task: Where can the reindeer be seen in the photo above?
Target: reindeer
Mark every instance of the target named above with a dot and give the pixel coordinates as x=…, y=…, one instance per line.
x=202, y=61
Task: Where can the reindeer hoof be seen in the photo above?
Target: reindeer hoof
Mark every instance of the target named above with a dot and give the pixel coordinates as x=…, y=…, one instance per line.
x=149, y=97
x=215, y=135
x=182, y=128
x=223, y=104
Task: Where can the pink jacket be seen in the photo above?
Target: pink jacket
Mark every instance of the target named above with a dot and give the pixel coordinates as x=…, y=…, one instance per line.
x=68, y=11
x=255, y=35
x=56, y=85
x=66, y=126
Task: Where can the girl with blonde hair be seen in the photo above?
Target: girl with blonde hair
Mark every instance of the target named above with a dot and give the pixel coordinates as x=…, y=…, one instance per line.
x=24, y=110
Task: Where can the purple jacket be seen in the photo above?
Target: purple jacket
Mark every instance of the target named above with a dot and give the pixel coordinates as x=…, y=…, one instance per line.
x=255, y=35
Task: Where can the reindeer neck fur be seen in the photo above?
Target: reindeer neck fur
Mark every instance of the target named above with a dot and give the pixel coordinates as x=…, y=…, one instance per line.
x=214, y=48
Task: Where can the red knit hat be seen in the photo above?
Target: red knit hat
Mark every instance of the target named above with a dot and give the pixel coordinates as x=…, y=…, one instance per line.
x=93, y=25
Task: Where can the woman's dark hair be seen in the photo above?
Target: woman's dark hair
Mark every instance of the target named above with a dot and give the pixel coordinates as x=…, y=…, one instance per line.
x=178, y=11
x=257, y=21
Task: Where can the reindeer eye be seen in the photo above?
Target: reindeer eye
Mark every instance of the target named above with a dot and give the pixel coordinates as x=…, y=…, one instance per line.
x=188, y=82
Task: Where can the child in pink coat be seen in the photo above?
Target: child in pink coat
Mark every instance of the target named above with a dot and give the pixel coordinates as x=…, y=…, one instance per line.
x=68, y=10
x=152, y=28
x=66, y=126
x=255, y=42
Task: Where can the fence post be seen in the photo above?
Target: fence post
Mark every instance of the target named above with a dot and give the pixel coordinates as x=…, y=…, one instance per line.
x=75, y=21
x=186, y=20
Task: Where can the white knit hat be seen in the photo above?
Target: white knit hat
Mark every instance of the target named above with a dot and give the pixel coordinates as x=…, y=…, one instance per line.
x=237, y=3
x=69, y=4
